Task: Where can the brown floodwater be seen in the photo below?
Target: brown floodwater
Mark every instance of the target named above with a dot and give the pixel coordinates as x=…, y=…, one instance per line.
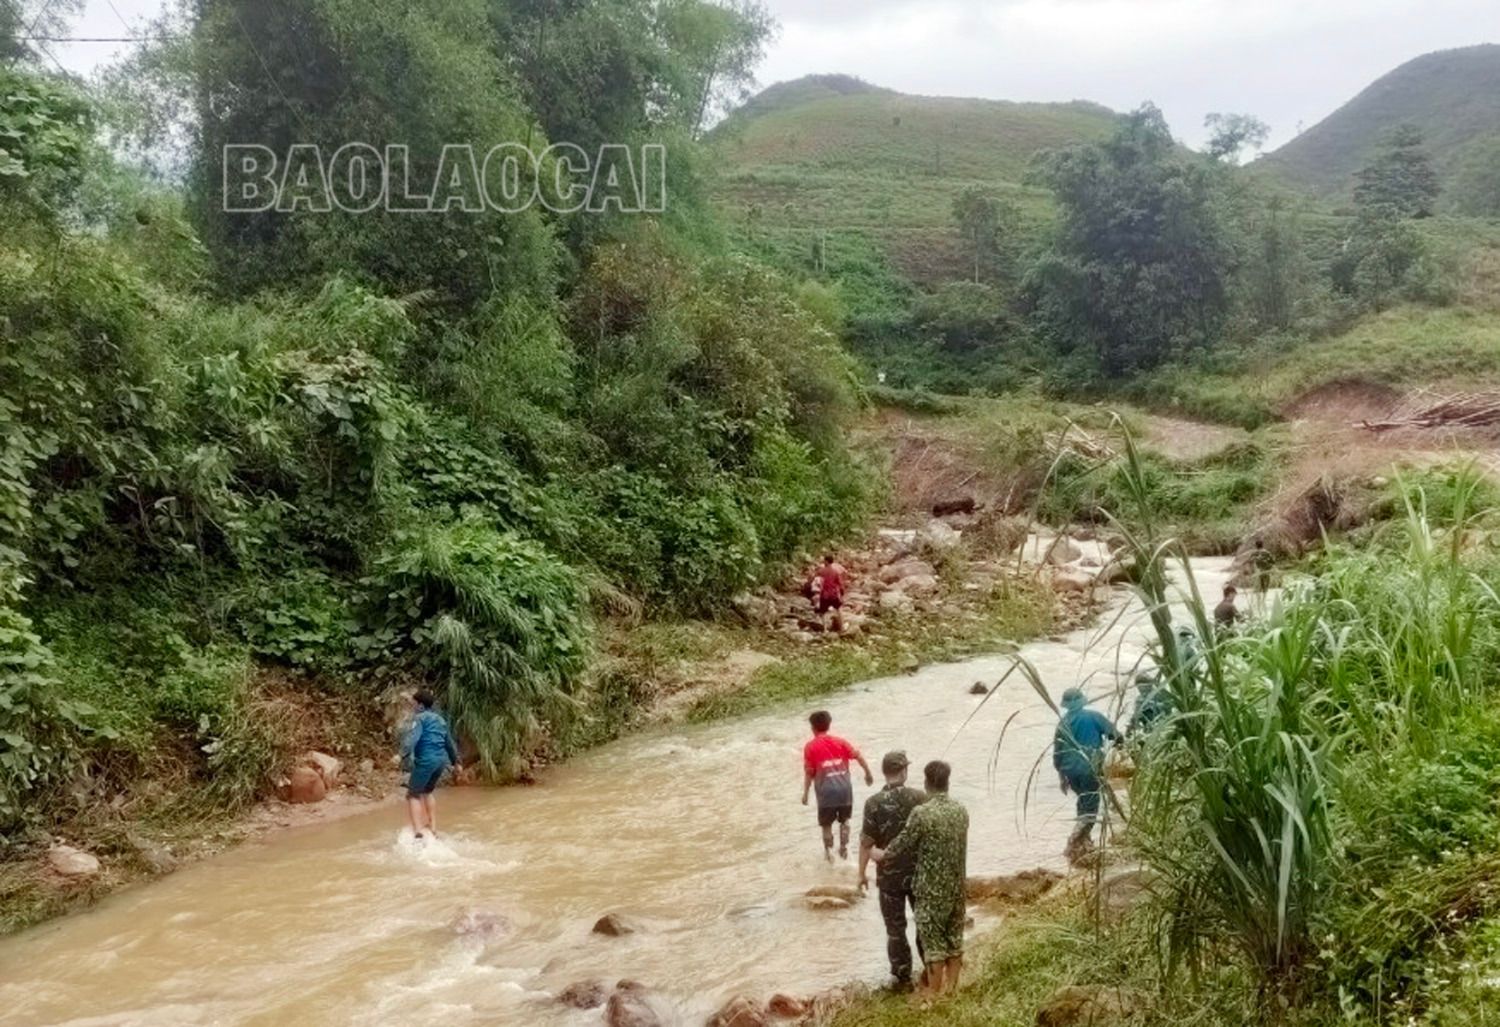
x=696, y=832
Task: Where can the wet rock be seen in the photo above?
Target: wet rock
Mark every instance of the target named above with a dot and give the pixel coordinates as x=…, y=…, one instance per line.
x=834, y=891
x=481, y=923
x=585, y=994
x=158, y=857
x=328, y=767
x=74, y=864
x=740, y=1012
x=787, y=1007
x=1027, y=886
x=1118, y=571
x=828, y=903
x=957, y=504
x=908, y=568
x=1092, y=1005
x=630, y=1005
x=304, y=785
x=979, y=688
x=613, y=925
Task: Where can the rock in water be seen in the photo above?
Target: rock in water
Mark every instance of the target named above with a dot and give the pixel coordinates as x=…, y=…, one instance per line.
x=979, y=688
x=305, y=785
x=631, y=1006
x=1092, y=1005
x=613, y=925
x=585, y=995
x=834, y=891
x=785, y=1007
x=72, y=863
x=1027, y=886
x=328, y=767
x=482, y=923
x=739, y=1012
x=825, y=903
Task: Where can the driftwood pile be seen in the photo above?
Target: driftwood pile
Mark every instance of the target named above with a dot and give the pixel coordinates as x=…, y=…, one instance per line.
x=1462, y=410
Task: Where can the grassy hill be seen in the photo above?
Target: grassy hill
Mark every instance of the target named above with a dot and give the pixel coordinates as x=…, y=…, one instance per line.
x=1452, y=95
x=867, y=172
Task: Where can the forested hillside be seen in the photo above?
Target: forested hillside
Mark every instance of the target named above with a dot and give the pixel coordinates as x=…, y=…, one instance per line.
x=1453, y=96
x=252, y=465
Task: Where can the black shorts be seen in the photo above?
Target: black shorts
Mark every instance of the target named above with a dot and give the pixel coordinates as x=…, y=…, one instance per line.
x=828, y=814
x=824, y=604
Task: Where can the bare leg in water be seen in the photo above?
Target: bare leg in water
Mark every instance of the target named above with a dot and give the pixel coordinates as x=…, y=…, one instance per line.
x=415, y=813
x=828, y=841
x=429, y=809
x=844, y=839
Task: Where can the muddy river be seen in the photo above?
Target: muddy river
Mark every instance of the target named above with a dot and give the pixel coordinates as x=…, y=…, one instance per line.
x=695, y=832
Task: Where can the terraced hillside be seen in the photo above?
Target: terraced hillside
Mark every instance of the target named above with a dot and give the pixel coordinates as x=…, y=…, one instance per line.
x=833, y=169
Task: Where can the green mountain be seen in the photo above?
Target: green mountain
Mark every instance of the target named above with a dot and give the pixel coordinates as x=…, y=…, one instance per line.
x=1452, y=95
x=829, y=168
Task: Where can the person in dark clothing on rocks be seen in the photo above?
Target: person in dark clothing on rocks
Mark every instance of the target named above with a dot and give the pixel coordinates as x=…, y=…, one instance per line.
x=428, y=751
x=825, y=765
x=885, y=815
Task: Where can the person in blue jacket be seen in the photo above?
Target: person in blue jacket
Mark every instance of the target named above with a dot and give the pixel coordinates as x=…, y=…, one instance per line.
x=1078, y=756
x=428, y=751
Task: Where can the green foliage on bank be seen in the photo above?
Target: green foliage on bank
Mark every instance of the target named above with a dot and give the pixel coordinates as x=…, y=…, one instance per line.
x=350, y=452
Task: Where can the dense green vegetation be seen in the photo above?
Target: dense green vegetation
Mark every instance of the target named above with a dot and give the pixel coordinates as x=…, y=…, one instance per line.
x=359, y=450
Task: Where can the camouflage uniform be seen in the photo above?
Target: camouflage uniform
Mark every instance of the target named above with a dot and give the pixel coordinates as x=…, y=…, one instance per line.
x=937, y=837
x=886, y=813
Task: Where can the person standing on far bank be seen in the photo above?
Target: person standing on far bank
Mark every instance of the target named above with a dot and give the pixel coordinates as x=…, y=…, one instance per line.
x=886, y=813
x=936, y=838
x=428, y=751
x=825, y=768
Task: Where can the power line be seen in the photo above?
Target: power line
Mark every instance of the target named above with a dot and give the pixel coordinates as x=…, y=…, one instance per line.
x=266, y=67
x=31, y=29
x=90, y=39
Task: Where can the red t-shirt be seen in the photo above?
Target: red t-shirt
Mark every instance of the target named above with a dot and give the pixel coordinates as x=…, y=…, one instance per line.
x=831, y=582
x=826, y=758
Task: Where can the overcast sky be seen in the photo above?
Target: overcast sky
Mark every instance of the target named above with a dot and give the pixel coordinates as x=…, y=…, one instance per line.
x=1290, y=62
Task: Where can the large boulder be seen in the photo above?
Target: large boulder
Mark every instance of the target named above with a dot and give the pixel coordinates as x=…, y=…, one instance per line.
x=631, y=1005
x=1027, y=886
x=1063, y=550
x=304, y=785
x=613, y=925
x=758, y=611
x=896, y=601
x=1092, y=1005
x=1072, y=579
x=74, y=864
x=585, y=994
x=328, y=767
x=740, y=1012
x=910, y=567
x=917, y=585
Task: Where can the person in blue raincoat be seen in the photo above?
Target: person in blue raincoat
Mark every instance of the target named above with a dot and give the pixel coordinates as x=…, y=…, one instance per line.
x=427, y=751
x=1078, y=756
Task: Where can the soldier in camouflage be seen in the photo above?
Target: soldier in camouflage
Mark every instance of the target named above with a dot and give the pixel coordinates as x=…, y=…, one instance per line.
x=936, y=837
x=885, y=815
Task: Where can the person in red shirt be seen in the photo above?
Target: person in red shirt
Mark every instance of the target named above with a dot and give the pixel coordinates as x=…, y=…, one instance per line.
x=828, y=592
x=825, y=768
